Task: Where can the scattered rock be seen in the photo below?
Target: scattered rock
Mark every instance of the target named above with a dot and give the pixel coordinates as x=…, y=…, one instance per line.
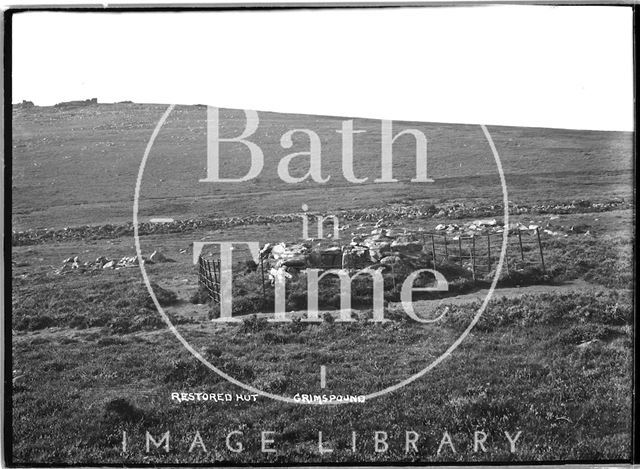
x=102, y=262
x=158, y=257
x=390, y=260
x=579, y=229
x=590, y=344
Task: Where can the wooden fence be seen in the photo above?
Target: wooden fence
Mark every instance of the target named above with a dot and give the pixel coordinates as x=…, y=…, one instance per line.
x=480, y=253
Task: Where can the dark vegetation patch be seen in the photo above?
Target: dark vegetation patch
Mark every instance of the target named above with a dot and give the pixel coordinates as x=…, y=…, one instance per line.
x=249, y=296
x=606, y=261
x=122, y=410
x=581, y=333
x=118, y=305
x=574, y=308
x=200, y=296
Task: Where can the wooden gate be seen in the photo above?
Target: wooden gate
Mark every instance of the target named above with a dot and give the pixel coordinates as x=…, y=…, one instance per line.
x=209, y=278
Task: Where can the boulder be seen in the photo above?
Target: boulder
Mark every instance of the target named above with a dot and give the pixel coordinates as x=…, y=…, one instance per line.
x=299, y=262
x=390, y=260
x=278, y=250
x=265, y=251
x=406, y=246
x=394, y=233
x=65, y=268
x=487, y=222
x=580, y=229
x=589, y=345
x=157, y=256
x=378, y=250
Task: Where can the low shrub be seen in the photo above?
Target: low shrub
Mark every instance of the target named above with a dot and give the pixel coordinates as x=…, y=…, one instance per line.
x=248, y=294
x=609, y=308
x=253, y=323
x=189, y=372
x=606, y=261
x=83, y=302
x=526, y=276
x=246, y=305
x=328, y=318
x=165, y=297
x=110, y=340
x=200, y=296
x=214, y=311
x=120, y=409
x=34, y=323
x=280, y=337
x=579, y=333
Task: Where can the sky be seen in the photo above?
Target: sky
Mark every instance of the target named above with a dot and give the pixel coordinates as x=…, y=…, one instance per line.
x=525, y=65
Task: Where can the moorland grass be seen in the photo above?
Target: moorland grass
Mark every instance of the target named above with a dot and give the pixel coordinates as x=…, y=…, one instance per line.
x=523, y=368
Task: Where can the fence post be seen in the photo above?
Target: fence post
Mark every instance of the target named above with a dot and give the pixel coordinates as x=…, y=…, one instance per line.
x=544, y=270
x=216, y=278
x=433, y=250
x=460, y=248
x=446, y=251
x=215, y=270
x=264, y=295
x=393, y=277
x=473, y=257
x=506, y=254
x=520, y=240
x=208, y=280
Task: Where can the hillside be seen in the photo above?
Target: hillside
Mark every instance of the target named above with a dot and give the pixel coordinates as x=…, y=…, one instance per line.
x=78, y=165
x=93, y=363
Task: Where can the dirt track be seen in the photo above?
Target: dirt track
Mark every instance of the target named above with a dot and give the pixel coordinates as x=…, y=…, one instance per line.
x=509, y=292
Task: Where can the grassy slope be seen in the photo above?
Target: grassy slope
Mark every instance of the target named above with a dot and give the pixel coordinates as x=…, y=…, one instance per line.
x=520, y=369
x=78, y=166
x=570, y=403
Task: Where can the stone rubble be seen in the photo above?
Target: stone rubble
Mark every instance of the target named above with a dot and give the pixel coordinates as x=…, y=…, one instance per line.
x=380, y=215
x=484, y=227
x=383, y=247
x=72, y=264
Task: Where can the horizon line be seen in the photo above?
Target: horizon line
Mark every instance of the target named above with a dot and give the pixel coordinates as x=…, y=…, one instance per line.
x=89, y=102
